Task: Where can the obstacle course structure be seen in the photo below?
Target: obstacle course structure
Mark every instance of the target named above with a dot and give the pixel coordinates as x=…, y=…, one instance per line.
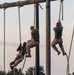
x=48, y=32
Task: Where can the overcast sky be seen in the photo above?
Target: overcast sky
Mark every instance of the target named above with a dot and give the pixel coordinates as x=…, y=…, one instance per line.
x=58, y=63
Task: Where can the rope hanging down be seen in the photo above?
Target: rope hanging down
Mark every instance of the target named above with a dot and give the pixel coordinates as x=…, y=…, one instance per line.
x=68, y=57
x=61, y=9
x=34, y=22
x=19, y=24
x=20, y=37
x=23, y=66
x=4, y=39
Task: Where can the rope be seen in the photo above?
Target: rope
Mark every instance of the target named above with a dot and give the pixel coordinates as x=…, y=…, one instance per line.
x=14, y=71
x=22, y=66
x=20, y=36
x=34, y=22
x=4, y=39
x=19, y=24
x=67, y=69
x=61, y=9
x=71, y=43
x=68, y=57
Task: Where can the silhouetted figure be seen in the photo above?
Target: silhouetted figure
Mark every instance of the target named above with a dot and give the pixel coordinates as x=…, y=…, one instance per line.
x=34, y=41
x=20, y=56
x=58, y=38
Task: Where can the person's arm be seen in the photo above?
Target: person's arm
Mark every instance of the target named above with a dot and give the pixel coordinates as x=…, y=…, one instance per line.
x=60, y=23
x=54, y=28
x=19, y=48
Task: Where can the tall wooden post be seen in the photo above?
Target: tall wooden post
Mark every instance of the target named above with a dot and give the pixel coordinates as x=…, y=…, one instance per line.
x=37, y=47
x=48, y=39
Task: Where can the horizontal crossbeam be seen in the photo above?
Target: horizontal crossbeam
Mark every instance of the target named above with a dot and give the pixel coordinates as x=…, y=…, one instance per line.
x=21, y=3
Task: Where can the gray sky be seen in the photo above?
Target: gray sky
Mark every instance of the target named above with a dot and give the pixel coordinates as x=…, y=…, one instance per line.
x=58, y=63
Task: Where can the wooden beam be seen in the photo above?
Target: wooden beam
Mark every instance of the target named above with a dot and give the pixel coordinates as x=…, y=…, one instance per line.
x=21, y=3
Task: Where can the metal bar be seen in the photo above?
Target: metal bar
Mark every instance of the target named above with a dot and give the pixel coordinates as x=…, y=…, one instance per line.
x=48, y=39
x=37, y=47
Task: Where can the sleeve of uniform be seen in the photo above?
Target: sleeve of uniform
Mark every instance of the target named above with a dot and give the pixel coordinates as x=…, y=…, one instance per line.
x=19, y=48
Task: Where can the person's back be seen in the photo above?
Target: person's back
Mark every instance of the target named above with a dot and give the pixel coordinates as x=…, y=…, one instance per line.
x=22, y=49
x=58, y=32
x=35, y=35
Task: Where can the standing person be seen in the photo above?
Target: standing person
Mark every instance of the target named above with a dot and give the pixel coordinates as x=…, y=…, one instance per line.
x=20, y=56
x=34, y=41
x=58, y=38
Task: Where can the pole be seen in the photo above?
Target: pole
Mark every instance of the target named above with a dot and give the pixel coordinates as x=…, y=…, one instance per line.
x=48, y=39
x=37, y=47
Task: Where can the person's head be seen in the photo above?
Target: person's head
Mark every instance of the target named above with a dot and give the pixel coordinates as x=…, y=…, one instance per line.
x=24, y=44
x=58, y=24
x=32, y=28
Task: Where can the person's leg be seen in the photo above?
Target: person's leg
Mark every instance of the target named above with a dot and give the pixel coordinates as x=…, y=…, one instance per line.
x=17, y=57
x=17, y=62
x=61, y=47
x=28, y=49
x=29, y=45
x=53, y=44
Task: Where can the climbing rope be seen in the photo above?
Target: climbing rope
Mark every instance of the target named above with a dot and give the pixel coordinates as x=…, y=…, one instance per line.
x=71, y=43
x=23, y=63
x=4, y=39
x=61, y=9
x=14, y=72
x=34, y=22
x=20, y=37
x=19, y=24
x=68, y=57
x=23, y=66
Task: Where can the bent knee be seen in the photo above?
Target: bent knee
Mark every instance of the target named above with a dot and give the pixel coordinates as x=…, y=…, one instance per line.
x=53, y=45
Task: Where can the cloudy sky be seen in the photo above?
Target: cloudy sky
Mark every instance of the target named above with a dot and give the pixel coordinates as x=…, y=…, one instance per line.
x=58, y=63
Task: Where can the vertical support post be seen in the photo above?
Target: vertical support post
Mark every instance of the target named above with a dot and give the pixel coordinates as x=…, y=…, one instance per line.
x=37, y=47
x=48, y=39
x=4, y=39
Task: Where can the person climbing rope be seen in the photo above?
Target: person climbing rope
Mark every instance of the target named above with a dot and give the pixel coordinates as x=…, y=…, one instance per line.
x=34, y=41
x=58, y=38
x=20, y=56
